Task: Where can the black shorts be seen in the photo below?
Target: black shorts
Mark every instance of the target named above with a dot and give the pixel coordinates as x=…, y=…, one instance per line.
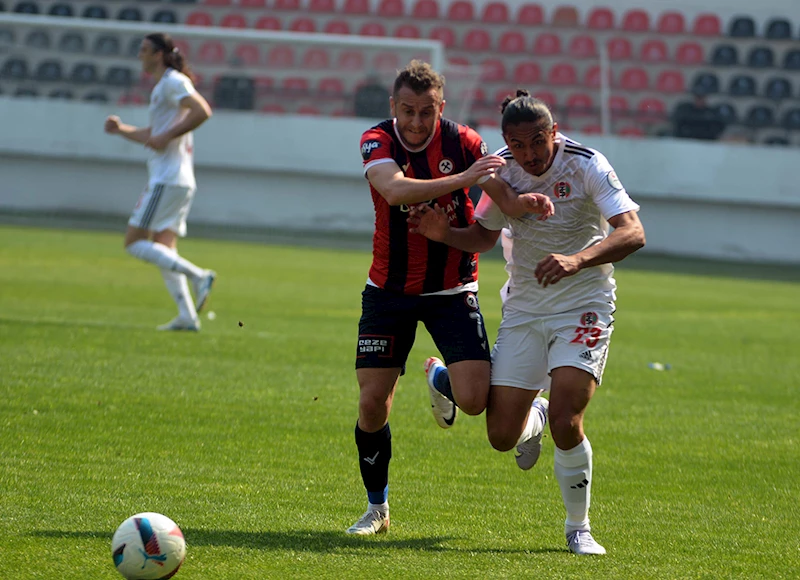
x=388, y=327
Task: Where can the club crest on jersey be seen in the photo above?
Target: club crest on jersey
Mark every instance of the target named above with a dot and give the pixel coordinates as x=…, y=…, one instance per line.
x=471, y=300
x=368, y=147
x=589, y=319
x=562, y=189
x=613, y=180
x=446, y=166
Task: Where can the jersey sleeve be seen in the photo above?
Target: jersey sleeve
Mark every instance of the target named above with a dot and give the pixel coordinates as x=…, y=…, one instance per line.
x=376, y=148
x=489, y=215
x=178, y=87
x=602, y=183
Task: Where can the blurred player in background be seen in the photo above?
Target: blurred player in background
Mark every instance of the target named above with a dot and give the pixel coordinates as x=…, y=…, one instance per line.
x=415, y=158
x=159, y=218
x=558, y=302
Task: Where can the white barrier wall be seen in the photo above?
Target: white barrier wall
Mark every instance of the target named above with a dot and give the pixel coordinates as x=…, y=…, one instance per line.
x=698, y=199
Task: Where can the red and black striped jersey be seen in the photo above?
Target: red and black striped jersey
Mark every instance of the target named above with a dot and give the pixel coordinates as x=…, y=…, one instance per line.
x=410, y=263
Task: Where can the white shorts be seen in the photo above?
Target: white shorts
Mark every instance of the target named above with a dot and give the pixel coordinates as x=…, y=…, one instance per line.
x=163, y=207
x=529, y=347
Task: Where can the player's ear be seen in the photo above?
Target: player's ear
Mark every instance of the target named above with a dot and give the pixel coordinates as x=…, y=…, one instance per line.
x=555, y=129
x=441, y=107
x=391, y=106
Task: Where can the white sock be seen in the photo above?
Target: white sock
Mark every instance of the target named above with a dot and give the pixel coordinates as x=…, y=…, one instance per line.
x=163, y=257
x=533, y=426
x=381, y=507
x=178, y=288
x=573, y=470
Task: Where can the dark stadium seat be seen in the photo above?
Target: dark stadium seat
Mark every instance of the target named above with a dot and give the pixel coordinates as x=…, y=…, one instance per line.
x=725, y=55
x=565, y=16
x=2, y=6
x=690, y=53
x=547, y=44
x=303, y=24
x=247, y=54
x=6, y=38
x=705, y=83
x=74, y=42
x=96, y=97
x=165, y=17
x=761, y=57
x=495, y=13
x=119, y=76
x=268, y=23
x=391, y=9
x=778, y=29
x=600, y=19
x=530, y=15
x=776, y=141
x=95, y=11
x=26, y=7
x=130, y=13
x=742, y=86
x=760, y=116
x=460, y=11
x=407, y=30
x=426, y=10
x=562, y=74
x=742, y=27
x=791, y=119
x=512, y=41
x=444, y=34
x=493, y=70
x=582, y=46
x=654, y=51
x=356, y=7
x=527, y=73
x=477, y=40
x=234, y=92
x=26, y=92
x=322, y=6
x=49, y=71
x=38, y=39
x=233, y=21
x=778, y=89
x=134, y=45
x=636, y=20
x=670, y=82
x=106, y=45
x=619, y=48
x=727, y=112
x=84, y=73
x=199, y=19
x=634, y=79
x=791, y=60
x=671, y=23
x=316, y=58
x=64, y=94
x=707, y=25
x=61, y=9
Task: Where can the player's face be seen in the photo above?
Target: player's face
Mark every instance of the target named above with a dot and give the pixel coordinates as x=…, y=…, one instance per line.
x=532, y=145
x=148, y=56
x=416, y=114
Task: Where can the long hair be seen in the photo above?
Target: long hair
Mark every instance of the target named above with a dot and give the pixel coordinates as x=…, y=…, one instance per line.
x=172, y=57
x=524, y=108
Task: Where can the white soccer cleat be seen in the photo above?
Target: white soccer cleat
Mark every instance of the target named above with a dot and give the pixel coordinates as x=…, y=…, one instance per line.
x=582, y=543
x=528, y=451
x=372, y=522
x=444, y=410
x=202, y=288
x=179, y=323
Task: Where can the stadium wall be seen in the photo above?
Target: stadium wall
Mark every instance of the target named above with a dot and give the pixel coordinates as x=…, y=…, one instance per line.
x=698, y=199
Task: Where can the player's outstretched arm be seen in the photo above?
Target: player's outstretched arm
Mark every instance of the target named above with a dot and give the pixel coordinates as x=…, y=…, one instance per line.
x=199, y=113
x=515, y=204
x=433, y=223
x=114, y=126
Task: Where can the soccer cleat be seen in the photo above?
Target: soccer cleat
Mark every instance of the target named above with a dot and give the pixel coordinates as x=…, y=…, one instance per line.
x=372, y=522
x=179, y=323
x=582, y=543
x=528, y=451
x=444, y=410
x=202, y=288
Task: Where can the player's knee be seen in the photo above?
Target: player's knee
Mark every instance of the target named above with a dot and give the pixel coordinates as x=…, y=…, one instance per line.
x=565, y=426
x=500, y=438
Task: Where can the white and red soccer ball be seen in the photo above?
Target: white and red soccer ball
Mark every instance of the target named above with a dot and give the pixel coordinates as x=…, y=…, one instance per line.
x=148, y=546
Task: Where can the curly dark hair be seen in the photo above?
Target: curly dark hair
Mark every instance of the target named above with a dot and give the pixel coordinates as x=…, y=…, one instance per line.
x=419, y=76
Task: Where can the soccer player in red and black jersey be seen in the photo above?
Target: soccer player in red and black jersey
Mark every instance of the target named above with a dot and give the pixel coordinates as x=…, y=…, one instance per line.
x=418, y=157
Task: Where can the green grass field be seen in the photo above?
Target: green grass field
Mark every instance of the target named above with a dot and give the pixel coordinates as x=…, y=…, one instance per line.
x=244, y=435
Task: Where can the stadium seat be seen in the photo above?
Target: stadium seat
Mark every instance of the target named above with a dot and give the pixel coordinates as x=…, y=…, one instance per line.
x=477, y=40
x=460, y=11
x=407, y=31
x=671, y=23
x=26, y=92
x=776, y=141
x=106, y=45
x=618, y=106
x=791, y=119
x=791, y=60
x=591, y=77
x=565, y=16
x=274, y=108
x=705, y=83
x=330, y=87
x=725, y=55
x=742, y=27
x=778, y=29
x=690, y=53
x=670, y=82
x=281, y=56
x=61, y=9
x=619, y=48
x=26, y=7
x=322, y=6
x=760, y=116
x=183, y=46
x=654, y=51
x=95, y=11
x=234, y=92
x=631, y=131
x=761, y=57
x=582, y=46
x=130, y=13
x=165, y=17
x=778, y=89
x=49, y=71
x=512, y=41
x=391, y=9
x=96, y=97
x=233, y=21
x=199, y=19
x=133, y=46
x=308, y=110
x=527, y=73
x=84, y=73
x=295, y=85
x=268, y=23
x=495, y=13
x=726, y=112
x=562, y=74
x=38, y=39
x=386, y=61
x=119, y=76
x=253, y=3
x=247, y=54
x=634, y=79
x=211, y=52
x=600, y=19
x=74, y=42
x=356, y=7
x=530, y=15
x=263, y=84
x=547, y=97
x=590, y=129
x=706, y=25
x=350, y=60
x=303, y=24
x=372, y=29
x=317, y=59
x=425, y=10
x=336, y=27
x=458, y=61
x=444, y=34
x=651, y=110
x=287, y=5
x=580, y=104
x=636, y=20
x=742, y=86
x=493, y=70
x=64, y=94
x=547, y=44
x=218, y=3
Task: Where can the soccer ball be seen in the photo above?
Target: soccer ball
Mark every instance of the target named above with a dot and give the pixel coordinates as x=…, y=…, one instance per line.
x=148, y=546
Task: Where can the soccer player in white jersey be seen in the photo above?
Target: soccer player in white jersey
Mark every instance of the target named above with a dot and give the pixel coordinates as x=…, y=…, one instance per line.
x=558, y=302
x=159, y=218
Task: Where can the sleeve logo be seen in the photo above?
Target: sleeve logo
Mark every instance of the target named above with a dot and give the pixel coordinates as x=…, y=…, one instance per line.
x=613, y=180
x=368, y=147
x=484, y=148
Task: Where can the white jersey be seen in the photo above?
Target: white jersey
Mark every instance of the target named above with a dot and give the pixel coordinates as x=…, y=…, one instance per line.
x=586, y=193
x=173, y=165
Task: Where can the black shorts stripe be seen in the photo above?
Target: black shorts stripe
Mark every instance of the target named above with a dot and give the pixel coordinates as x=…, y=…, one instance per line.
x=152, y=206
x=581, y=153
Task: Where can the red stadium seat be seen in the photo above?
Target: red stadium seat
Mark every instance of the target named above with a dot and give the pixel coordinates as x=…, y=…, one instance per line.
x=547, y=97
x=273, y=108
x=690, y=53
x=322, y=6
x=211, y=52
x=356, y=7
x=308, y=110
x=336, y=27
x=331, y=87
x=199, y=19
x=372, y=29
x=426, y=10
x=291, y=5
x=461, y=11
x=530, y=15
x=248, y=54
x=631, y=131
x=281, y=56
x=295, y=84
x=671, y=23
x=562, y=74
x=634, y=79
x=653, y=51
x=407, y=31
x=253, y=3
x=580, y=104
x=619, y=48
x=476, y=94
x=512, y=41
x=527, y=73
x=618, y=105
x=268, y=23
x=446, y=35
x=493, y=70
x=218, y=2
x=458, y=61
x=495, y=13
x=636, y=21
x=263, y=84
x=547, y=44
x=477, y=39
x=386, y=61
x=303, y=24
x=591, y=129
x=582, y=46
x=391, y=9
x=591, y=78
x=566, y=16
x=600, y=19
x=317, y=59
x=350, y=60
x=233, y=21
x=670, y=81
x=651, y=110
x=707, y=25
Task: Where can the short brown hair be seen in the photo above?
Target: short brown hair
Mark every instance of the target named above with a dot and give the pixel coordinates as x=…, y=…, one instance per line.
x=419, y=76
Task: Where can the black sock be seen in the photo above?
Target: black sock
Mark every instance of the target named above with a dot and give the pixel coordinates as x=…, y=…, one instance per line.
x=374, y=452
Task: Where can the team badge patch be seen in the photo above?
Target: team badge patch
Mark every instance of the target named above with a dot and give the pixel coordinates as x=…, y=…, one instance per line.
x=588, y=319
x=368, y=147
x=446, y=166
x=471, y=300
x=562, y=189
x=613, y=180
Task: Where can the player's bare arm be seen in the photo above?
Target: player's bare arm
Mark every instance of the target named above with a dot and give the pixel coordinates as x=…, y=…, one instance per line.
x=114, y=126
x=433, y=223
x=397, y=189
x=627, y=237
x=515, y=204
x=199, y=112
